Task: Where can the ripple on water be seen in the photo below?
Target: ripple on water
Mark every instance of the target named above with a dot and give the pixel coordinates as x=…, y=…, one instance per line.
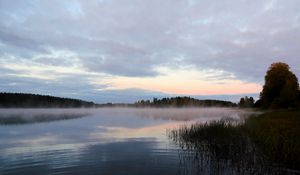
x=109, y=141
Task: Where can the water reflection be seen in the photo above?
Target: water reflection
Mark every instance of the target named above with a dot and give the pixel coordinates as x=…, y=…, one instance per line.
x=107, y=141
x=127, y=157
x=26, y=116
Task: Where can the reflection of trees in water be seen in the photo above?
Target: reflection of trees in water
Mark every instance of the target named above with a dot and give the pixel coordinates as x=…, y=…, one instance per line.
x=187, y=114
x=220, y=148
x=26, y=119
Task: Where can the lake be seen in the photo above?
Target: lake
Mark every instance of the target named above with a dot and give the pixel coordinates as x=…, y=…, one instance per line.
x=101, y=141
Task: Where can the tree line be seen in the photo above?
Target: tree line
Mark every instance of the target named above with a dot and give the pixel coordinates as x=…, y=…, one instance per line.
x=33, y=100
x=183, y=102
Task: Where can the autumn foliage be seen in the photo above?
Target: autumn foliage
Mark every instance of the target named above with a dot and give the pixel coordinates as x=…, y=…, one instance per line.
x=281, y=89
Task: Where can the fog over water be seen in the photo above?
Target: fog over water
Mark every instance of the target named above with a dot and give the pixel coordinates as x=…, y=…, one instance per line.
x=176, y=114
x=106, y=140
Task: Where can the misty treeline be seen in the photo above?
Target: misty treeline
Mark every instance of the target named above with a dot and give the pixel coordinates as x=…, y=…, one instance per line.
x=8, y=100
x=246, y=102
x=33, y=100
x=183, y=102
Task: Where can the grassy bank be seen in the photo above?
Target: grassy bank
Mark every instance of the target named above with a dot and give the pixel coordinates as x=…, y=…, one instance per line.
x=277, y=134
x=272, y=137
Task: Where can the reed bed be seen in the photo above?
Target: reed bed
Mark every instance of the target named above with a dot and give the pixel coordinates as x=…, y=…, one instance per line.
x=271, y=140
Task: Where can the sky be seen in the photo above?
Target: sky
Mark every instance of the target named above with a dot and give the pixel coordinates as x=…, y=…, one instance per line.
x=125, y=50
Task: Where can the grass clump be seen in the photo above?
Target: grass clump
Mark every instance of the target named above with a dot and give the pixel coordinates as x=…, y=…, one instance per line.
x=271, y=138
x=222, y=138
x=219, y=146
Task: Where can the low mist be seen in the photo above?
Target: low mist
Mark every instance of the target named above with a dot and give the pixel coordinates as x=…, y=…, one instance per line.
x=22, y=116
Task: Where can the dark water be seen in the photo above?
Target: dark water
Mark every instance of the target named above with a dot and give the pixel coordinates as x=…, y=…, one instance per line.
x=100, y=141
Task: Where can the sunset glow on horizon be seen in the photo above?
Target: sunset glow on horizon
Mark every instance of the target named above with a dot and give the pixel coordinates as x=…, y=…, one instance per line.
x=187, y=82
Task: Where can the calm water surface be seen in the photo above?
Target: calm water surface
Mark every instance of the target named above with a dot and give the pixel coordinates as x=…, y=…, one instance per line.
x=98, y=141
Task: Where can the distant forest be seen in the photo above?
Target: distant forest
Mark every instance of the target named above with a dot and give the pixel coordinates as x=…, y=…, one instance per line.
x=183, y=102
x=8, y=100
x=21, y=100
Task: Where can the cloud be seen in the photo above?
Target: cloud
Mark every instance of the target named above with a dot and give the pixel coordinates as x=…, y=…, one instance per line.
x=136, y=38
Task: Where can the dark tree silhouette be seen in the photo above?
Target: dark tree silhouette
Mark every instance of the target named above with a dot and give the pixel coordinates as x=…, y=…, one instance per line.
x=33, y=100
x=281, y=87
x=242, y=102
x=182, y=102
x=246, y=102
